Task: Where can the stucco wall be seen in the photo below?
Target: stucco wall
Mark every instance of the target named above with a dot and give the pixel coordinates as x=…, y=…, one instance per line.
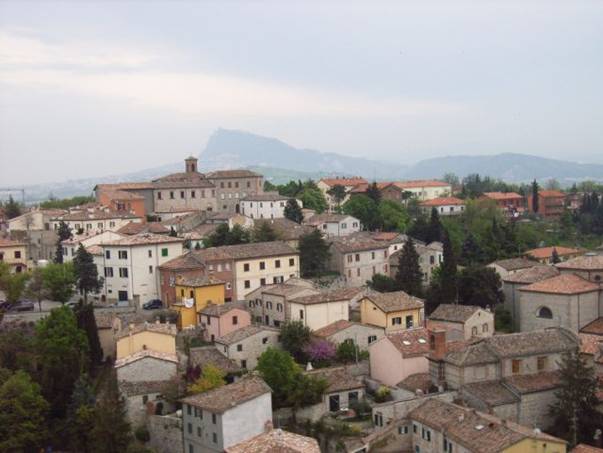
x=147, y=369
x=166, y=433
x=388, y=365
x=155, y=341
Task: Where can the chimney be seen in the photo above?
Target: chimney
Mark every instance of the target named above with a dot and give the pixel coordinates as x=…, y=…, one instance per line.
x=191, y=164
x=437, y=343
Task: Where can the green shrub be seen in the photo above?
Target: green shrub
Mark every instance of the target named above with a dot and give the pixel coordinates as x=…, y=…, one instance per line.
x=142, y=434
x=382, y=394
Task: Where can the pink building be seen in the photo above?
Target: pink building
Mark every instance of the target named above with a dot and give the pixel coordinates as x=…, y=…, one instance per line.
x=395, y=357
x=220, y=320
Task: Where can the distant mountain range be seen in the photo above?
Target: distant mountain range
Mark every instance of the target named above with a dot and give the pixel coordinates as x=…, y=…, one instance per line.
x=280, y=162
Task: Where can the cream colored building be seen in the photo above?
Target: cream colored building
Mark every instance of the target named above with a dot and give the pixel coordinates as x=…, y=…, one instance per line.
x=319, y=310
x=395, y=311
x=146, y=336
x=14, y=253
x=471, y=320
x=95, y=220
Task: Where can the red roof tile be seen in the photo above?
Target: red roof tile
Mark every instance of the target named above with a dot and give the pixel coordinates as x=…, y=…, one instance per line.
x=562, y=284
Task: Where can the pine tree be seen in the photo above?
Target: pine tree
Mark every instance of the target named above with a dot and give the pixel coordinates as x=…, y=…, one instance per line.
x=434, y=231
x=471, y=252
x=293, y=211
x=575, y=410
x=86, y=272
x=448, y=273
x=409, y=277
x=12, y=209
x=111, y=432
x=64, y=233
x=314, y=254
x=337, y=192
x=535, y=199
x=81, y=415
x=87, y=322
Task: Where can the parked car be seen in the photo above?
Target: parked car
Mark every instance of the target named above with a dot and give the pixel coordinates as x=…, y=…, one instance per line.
x=153, y=304
x=22, y=305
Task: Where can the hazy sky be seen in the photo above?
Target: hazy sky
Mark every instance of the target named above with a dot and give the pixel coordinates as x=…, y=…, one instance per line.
x=95, y=88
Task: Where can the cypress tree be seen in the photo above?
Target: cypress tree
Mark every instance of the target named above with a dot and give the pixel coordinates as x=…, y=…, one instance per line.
x=434, y=231
x=293, y=211
x=409, y=277
x=64, y=233
x=448, y=273
x=373, y=192
x=535, y=201
x=12, y=208
x=87, y=322
x=111, y=432
x=471, y=253
x=555, y=256
x=86, y=273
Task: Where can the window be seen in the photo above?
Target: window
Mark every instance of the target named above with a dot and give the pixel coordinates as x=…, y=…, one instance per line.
x=17, y=254
x=246, y=267
x=122, y=254
x=239, y=347
x=150, y=269
x=372, y=338
x=277, y=263
x=108, y=254
x=193, y=195
x=372, y=255
x=108, y=272
x=123, y=272
x=243, y=363
x=150, y=253
x=264, y=340
x=159, y=195
x=350, y=258
x=414, y=428
x=396, y=321
x=358, y=272
x=542, y=362
x=516, y=366
x=352, y=397
x=474, y=331
x=485, y=327
x=214, y=438
x=432, y=259
x=145, y=399
x=198, y=431
x=164, y=252
x=190, y=428
x=545, y=312
x=247, y=284
x=403, y=429
x=378, y=419
x=357, y=256
x=262, y=265
x=301, y=314
x=191, y=448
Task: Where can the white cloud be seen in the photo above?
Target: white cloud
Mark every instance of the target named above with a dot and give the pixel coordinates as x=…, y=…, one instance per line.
x=126, y=77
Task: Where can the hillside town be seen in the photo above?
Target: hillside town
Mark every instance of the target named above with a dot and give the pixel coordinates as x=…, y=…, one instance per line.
x=220, y=312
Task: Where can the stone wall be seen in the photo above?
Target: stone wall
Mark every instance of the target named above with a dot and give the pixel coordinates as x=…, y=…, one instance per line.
x=166, y=433
x=147, y=369
x=534, y=409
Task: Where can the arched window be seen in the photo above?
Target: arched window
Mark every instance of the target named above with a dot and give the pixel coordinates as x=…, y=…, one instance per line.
x=545, y=312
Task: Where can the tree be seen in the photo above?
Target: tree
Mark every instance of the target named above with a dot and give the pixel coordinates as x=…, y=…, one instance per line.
x=59, y=280
x=480, y=285
x=434, y=230
x=293, y=211
x=409, y=277
x=451, y=179
x=279, y=370
x=535, y=200
x=448, y=273
x=264, y=232
x=237, y=235
x=86, y=273
x=555, y=256
x=294, y=338
x=419, y=229
x=219, y=237
x=22, y=414
x=314, y=254
x=382, y=283
x=81, y=415
x=311, y=197
x=393, y=216
x=471, y=252
x=12, y=209
x=364, y=209
x=111, y=432
x=575, y=410
x=348, y=352
x=337, y=193
x=373, y=192
x=87, y=322
x=13, y=284
x=62, y=356
x=211, y=377
x=35, y=287
x=64, y=233
x=320, y=352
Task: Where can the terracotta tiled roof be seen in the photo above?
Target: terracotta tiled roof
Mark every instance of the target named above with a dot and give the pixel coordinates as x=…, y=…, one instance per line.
x=338, y=379
x=5, y=242
x=394, y=301
x=246, y=251
x=328, y=296
x=537, y=382
x=198, y=281
x=245, y=332
x=475, y=431
x=96, y=214
x=123, y=195
x=590, y=343
x=333, y=328
x=144, y=239
x=454, y=313
x=586, y=263
x=165, y=328
x=547, y=252
x=346, y=182
x=583, y=448
x=551, y=194
x=411, y=343
x=532, y=275
x=562, y=284
x=287, y=289
x=209, y=355
x=268, y=196
x=493, y=393
x=595, y=327
x=137, y=228
x=443, y=201
x=182, y=180
x=417, y=381
x=276, y=441
x=239, y=173
x=503, y=196
x=515, y=264
x=219, y=310
x=285, y=229
x=223, y=398
x=95, y=250
x=358, y=242
x=188, y=261
x=318, y=219
x=125, y=186
x=139, y=355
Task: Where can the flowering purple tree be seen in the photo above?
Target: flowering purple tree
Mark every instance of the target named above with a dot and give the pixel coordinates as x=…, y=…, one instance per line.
x=321, y=352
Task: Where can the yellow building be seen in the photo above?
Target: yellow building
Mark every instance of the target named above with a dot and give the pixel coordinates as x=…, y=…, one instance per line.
x=193, y=295
x=146, y=336
x=13, y=253
x=393, y=311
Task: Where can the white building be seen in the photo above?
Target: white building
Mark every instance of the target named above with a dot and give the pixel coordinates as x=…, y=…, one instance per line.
x=444, y=205
x=334, y=224
x=268, y=205
x=94, y=220
x=130, y=265
x=71, y=245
